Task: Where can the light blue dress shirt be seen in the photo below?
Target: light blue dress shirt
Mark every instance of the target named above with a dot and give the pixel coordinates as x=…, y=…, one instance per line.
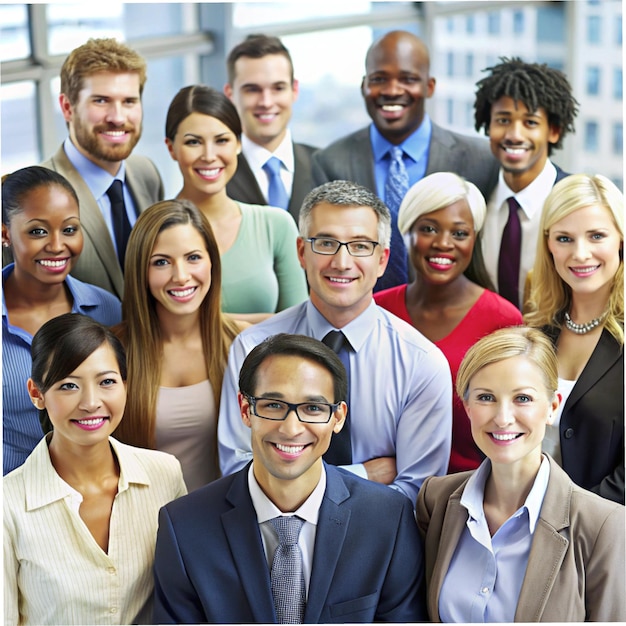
x=401, y=393
x=98, y=181
x=485, y=575
x=416, y=150
x=21, y=429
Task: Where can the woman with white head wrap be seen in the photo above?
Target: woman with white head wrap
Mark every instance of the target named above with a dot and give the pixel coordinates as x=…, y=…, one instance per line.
x=450, y=299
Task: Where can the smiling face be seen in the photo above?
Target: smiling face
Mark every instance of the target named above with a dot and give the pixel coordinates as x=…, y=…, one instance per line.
x=86, y=406
x=179, y=271
x=442, y=243
x=263, y=94
x=206, y=151
x=520, y=139
x=509, y=405
x=585, y=247
x=342, y=285
x=396, y=84
x=290, y=451
x=45, y=235
x=105, y=122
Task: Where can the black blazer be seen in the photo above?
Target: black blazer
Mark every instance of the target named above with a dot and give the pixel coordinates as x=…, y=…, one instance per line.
x=244, y=187
x=592, y=423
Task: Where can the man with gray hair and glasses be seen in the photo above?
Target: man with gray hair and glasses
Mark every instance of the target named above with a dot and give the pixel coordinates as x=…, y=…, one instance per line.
x=398, y=429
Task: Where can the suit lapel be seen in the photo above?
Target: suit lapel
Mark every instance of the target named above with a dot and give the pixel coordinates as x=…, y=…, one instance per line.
x=302, y=179
x=361, y=160
x=244, y=185
x=244, y=539
x=548, y=547
x=441, y=156
x=332, y=527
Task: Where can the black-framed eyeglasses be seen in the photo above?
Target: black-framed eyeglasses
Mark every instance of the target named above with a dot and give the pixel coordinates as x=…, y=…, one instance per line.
x=327, y=245
x=277, y=410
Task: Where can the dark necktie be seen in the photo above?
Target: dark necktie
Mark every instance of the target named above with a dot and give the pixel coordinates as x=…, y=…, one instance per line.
x=286, y=574
x=510, y=254
x=276, y=195
x=340, y=450
x=396, y=186
x=121, y=225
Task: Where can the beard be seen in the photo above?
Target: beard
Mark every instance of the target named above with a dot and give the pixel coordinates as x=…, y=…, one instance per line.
x=89, y=140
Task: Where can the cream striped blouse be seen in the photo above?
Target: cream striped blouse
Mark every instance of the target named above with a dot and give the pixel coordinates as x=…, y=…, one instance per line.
x=54, y=571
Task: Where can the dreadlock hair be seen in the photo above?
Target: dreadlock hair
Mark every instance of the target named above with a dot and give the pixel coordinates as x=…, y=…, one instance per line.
x=533, y=84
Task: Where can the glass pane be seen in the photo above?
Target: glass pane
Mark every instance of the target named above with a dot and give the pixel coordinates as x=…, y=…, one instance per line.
x=19, y=137
x=14, y=40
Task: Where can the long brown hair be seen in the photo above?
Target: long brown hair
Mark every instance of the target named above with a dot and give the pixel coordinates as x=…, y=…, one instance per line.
x=140, y=330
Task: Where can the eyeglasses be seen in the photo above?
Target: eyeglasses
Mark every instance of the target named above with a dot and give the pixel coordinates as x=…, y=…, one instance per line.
x=326, y=245
x=277, y=410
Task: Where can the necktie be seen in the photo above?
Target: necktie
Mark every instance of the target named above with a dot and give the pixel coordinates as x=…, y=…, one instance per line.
x=121, y=225
x=396, y=186
x=340, y=450
x=510, y=253
x=277, y=195
x=286, y=575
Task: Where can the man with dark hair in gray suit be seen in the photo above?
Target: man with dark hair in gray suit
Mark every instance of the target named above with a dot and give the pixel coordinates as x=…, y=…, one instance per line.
x=395, y=87
x=271, y=168
x=101, y=86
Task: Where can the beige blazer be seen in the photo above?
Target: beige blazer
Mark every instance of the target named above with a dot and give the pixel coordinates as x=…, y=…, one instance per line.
x=98, y=262
x=576, y=567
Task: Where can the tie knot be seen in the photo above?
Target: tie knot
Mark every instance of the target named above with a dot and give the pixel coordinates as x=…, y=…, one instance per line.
x=287, y=528
x=116, y=191
x=335, y=340
x=396, y=153
x=513, y=204
x=273, y=165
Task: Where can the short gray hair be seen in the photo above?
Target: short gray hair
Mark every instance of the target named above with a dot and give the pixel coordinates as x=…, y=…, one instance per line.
x=346, y=194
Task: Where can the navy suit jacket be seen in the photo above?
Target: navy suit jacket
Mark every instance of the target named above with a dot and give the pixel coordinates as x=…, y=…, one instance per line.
x=351, y=158
x=210, y=565
x=243, y=185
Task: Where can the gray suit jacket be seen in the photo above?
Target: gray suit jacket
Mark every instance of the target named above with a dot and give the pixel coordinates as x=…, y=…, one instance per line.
x=98, y=262
x=244, y=187
x=575, y=569
x=351, y=158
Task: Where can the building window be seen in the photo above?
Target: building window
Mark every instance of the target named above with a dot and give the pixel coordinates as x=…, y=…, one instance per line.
x=469, y=65
x=450, y=63
x=450, y=111
x=518, y=22
x=618, y=30
x=594, y=29
x=450, y=25
x=493, y=23
x=618, y=83
x=470, y=24
x=618, y=138
x=551, y=24
x=593, y=81
x=592, y=136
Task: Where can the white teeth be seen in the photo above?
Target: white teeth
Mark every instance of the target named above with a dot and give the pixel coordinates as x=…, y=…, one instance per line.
x=339, y=280
x=115, y=133
x=289, y=449
x=504, y=437
x=392, y=107
x=91, y=422
x=585, y=270
x=515, y=150
x=48, y=263
x=267, y=116
x=209, y=173
x=183, y=293
x=440, y=260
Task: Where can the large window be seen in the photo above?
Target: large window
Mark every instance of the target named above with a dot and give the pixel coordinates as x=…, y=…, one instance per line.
x=592, y=136
x=593, y=81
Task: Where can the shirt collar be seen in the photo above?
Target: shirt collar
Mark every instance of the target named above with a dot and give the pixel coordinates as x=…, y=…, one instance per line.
x=266, y=510
x=532, y=197
x=44, y=486
x=474, y=492
x=97, y=179
x=257, y=155
x=416, y=145
x=356, y=332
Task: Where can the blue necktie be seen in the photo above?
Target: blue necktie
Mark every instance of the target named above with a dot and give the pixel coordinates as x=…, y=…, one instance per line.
x=340, y=449
x=276, y=195
x=510, y=255
x=286, y=574
x=396, y=186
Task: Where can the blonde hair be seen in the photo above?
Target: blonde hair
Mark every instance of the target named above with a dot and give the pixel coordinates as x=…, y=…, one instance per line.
x=507, y=343
x=437, y=191
x=550, y=297
x=140, y=329
x=99, y=55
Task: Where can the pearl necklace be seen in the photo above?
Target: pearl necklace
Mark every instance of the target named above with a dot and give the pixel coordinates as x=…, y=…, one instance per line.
x=583, y=329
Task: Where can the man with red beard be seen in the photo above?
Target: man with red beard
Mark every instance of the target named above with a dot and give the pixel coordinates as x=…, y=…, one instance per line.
x=101, y=86
x=402, y=145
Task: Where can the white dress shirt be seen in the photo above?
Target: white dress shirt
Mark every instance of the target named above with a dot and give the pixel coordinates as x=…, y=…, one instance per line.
x=531, y=200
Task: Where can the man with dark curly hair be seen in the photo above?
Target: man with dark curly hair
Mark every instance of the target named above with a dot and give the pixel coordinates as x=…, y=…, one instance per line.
x=526, y=109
